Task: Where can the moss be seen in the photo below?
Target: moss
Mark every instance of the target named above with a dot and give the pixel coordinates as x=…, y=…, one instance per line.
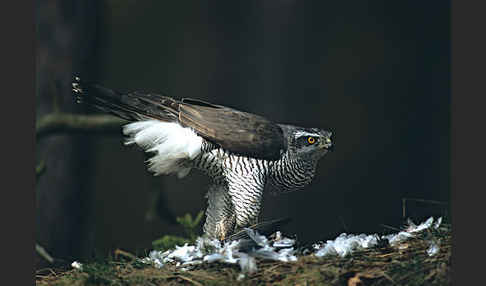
x=190, y=226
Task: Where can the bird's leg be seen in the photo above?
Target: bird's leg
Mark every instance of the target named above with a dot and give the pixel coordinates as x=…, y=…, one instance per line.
x=225, y=227
x=220, y=215
x=246, y=197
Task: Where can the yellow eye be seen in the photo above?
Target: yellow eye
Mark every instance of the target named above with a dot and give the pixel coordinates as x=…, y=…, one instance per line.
x=311, y=140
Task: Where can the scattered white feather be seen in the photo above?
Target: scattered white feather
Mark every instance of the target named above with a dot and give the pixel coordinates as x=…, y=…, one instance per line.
x=172, y=144
x=433, y=249
x=282, y=242
x=260, y=240
x=214, y=257
x=247, y=263
x=185, y=253
x=77, y=265
x=280, y=248
x=394, y=239
x=345, y=244
x=437, y=223
x=209, y=251
x=416, y=228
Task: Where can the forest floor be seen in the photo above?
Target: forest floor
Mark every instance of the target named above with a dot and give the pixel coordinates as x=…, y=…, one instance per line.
x=407, y=263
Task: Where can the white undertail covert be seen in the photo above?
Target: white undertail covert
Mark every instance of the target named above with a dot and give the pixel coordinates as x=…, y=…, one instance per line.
x=172, y=144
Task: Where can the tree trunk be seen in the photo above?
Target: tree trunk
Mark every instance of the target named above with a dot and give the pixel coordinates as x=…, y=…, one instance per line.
x=67, y=41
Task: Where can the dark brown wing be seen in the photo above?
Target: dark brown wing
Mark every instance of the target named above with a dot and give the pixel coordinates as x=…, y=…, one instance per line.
x=236, y=131
x=131, y=106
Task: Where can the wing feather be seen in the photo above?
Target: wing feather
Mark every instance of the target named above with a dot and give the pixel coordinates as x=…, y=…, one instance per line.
x=236, y=131
x=239, y=132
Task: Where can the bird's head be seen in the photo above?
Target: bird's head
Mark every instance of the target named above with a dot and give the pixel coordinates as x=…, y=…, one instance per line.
x=308, y=143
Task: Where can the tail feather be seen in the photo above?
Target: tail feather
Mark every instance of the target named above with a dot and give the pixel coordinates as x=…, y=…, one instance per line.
x=134, y=106
x=154, y=127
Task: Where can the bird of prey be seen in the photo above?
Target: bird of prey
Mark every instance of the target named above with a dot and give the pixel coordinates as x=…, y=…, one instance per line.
x=241, y=152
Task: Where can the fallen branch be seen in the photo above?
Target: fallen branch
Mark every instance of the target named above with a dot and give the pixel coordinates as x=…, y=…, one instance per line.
x=43, y=253
x=77, y=123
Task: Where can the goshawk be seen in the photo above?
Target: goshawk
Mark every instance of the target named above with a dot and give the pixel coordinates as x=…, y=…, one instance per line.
x=241, y=152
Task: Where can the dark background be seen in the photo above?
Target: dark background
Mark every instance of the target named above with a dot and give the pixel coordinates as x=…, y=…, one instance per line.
x=376, y=73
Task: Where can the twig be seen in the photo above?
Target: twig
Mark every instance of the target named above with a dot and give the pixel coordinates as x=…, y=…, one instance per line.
x=426, y=201
x=271, y=268
x=389, y=278
x=189, y=280
x=390, y=227
x=52, y=272
x=119, y=252
x=43, y=253
x=76, y=123
x=404, y=202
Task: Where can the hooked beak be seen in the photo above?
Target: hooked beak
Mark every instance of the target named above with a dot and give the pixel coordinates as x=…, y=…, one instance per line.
x=328, y=145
